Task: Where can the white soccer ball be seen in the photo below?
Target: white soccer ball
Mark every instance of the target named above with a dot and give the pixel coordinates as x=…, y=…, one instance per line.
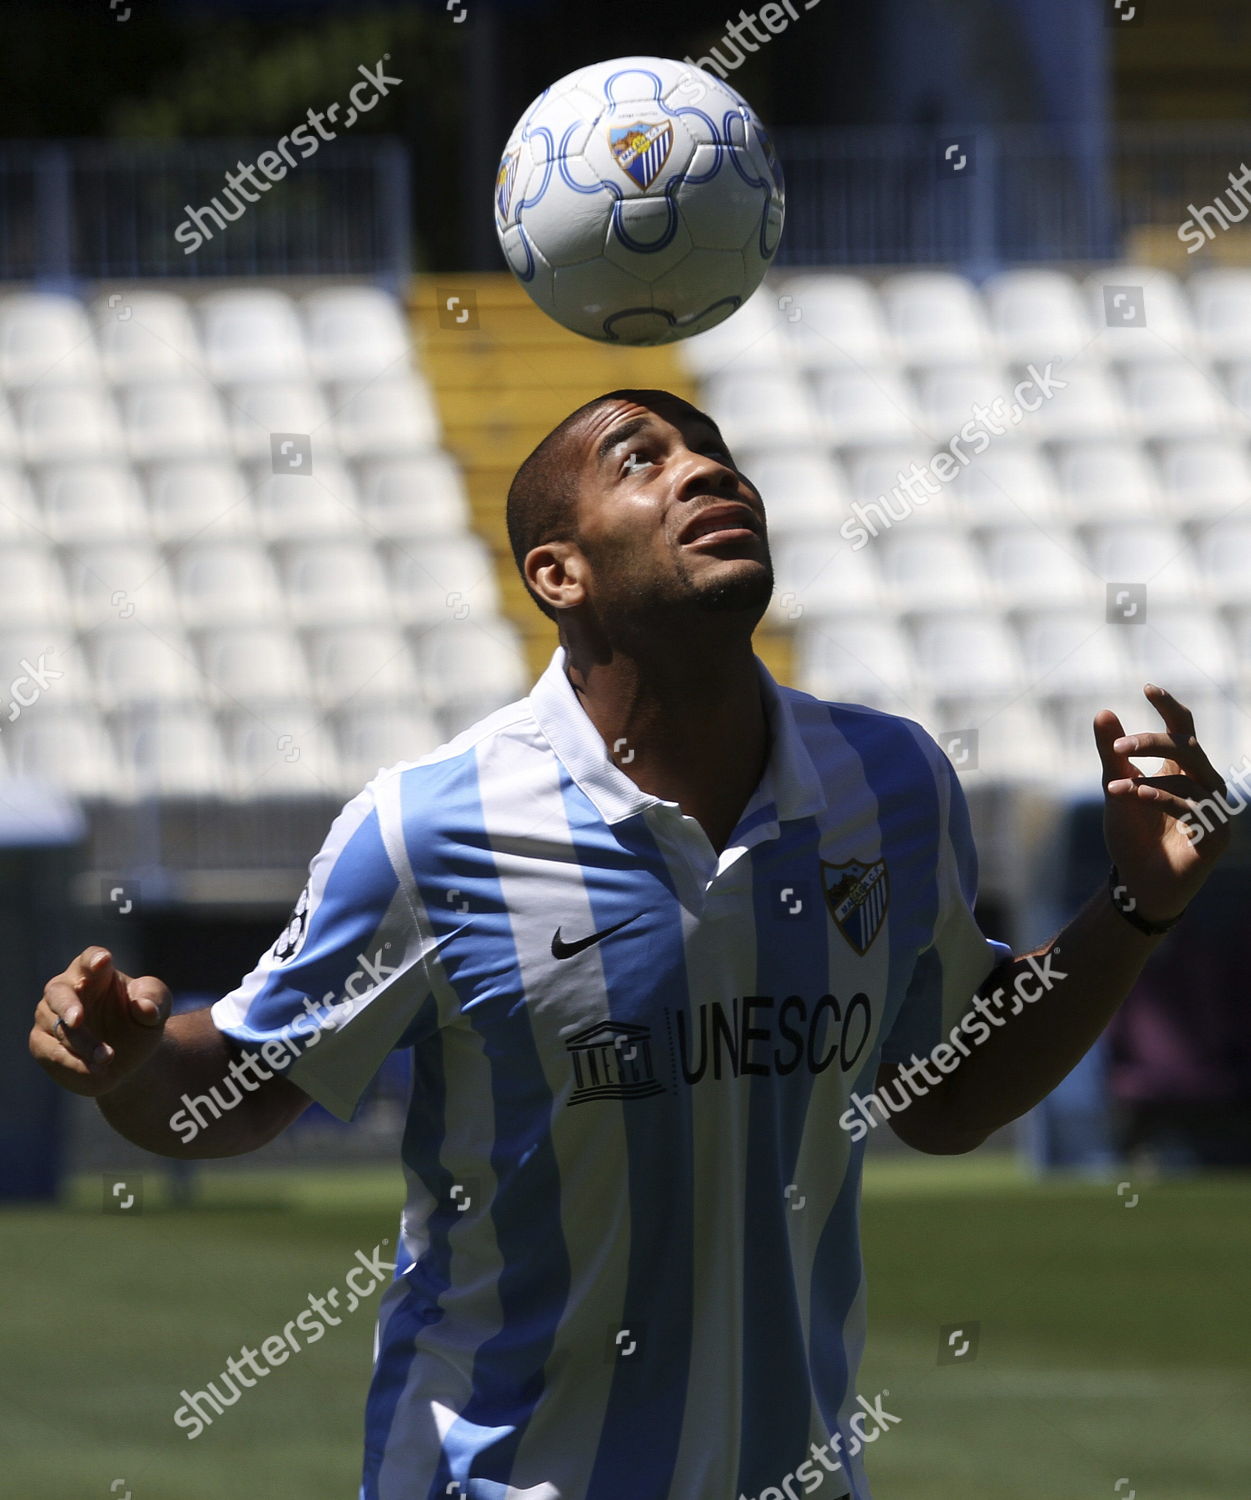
x=639, y=201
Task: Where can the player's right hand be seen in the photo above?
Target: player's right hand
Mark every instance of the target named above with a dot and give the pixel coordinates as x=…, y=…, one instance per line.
x=109, y=1026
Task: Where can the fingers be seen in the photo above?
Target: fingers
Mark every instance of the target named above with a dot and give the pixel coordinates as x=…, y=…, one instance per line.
x=1176, y=745
x=54, y=1041
x=89, y=976
x=149, y=1001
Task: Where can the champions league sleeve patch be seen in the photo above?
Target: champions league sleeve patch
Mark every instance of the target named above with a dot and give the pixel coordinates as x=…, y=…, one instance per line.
x=291, y=938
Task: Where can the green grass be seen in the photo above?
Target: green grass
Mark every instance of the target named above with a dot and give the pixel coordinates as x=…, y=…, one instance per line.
x=1113, y=1340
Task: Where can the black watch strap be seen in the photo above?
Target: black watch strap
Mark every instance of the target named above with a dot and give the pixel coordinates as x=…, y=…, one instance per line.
x=1125, y=904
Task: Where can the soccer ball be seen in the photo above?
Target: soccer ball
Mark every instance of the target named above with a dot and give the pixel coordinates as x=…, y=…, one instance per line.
x=639, y=201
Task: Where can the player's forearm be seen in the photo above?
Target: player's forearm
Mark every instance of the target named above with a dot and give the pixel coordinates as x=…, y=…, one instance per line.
x=1043, y=1017
x=151, y=1107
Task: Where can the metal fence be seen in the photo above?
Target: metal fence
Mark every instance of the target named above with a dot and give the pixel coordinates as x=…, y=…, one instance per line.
x=72, y=211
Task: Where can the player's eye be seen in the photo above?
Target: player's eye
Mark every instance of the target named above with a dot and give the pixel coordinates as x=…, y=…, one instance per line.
x=633, y=460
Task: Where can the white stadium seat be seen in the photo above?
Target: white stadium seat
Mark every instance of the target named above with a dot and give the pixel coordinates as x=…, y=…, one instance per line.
x=1067, y=649
x=174, y=419
x=69, y=747
x=1014, y=738
x=354, y=333
x=1179, y=400
x=198, y=498
x=1106, y=478
x=374, y=739
x=863, y=408
x=1184, y=648
x=226, y=581
x=1088, y=405
x=1038, y=315
x=947, y=395
x=472, y=662
x=803, y=491
x=32, y=589
x=1205, y=477
x=873, y=482
x=132, y=665
x=1006, y=484
x=760, y=409
x=61, y=673
x=291, y=507
x=244, y=664
x=118, y=580
x=65, y=422
x=1220, y=301
x=169, y=750
x=10, y=440
x=1224, y=553
x=412, y=498
x=279, y=748
x=332, y=582
x=751, y=339
x=384, y=418
x=823, y=575
x=972, y=653
x=1158, y=326
x=256, y=411
x=1029, y=566
x=20, y=518
x=1153, y=553
x=358, y=664
x=147, y=336
x=90, y=500
x=446, y=578
x=858, y=658
x=836, y=322
x=46, y=340
x=930, y=570
x=935, y=317
x=252, y=334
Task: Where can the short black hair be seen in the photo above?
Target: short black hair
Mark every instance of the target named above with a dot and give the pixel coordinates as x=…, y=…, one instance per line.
x=541, y=499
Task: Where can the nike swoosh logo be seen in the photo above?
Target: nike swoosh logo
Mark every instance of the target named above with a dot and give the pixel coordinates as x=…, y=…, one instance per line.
x=562, y=949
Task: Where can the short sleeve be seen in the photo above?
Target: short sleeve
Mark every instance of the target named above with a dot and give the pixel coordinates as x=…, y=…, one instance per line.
x=346, y=980
x=950, y=970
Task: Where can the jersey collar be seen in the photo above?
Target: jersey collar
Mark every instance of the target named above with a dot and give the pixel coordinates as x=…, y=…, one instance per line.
x=790, y=782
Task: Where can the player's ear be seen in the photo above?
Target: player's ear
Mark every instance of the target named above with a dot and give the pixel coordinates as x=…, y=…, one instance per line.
x=558, y=573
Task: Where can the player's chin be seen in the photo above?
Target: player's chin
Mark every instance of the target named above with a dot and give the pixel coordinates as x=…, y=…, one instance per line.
x=735, y=583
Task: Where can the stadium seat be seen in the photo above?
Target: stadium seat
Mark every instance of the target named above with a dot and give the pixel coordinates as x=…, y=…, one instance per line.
x=408, y=499
x=10, y=441
x=226, y=581
x=387, y=417
x=256, y=411
x=291, y=507
x=332, y=582
x=60, y=671
x=967, y=652
x=354, y=333
x=753, y=339
x=1160, y=327
x=947, y=394
x=62, y=422
x=935, y=318
x=1014, y=740
x=69, y=747
x=173, y=419
x=32, y=590
x=279, y=748
x=169, y=750
x=1006, y=484
x=91, y=500
x=1089, y=405
x=132, y=664
x=45, y=340
x=1220, y=301
x=360, y=664
x=855, y=407
x=928, y=569
x=1153, y=553
x=374, y=739
x=1205, y=477
x=1185, y=648
x=1067, y=650
x=1029, y=566
x=251, y=334
x=761, y=409
x=1224, y=554
x=20, y=518
x=1179, y=400
x=802, y=491
x=1037, y=315
x=446, y=578
x=244, y=664
x=874, y=485
x=108, y=581
x=858, y=658
x=147, y=336
x=198, y=498
x=1102, y=479
x=471, y=664
x=835, y=322
x=1239, y=620
x=823, y=574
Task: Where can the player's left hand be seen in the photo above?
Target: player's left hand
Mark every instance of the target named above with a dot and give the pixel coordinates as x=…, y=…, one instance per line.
x=1161, y=864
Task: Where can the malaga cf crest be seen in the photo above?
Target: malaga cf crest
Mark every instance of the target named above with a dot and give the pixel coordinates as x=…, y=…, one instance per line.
x=640, y=150
x=857, y=893
x=504, y=180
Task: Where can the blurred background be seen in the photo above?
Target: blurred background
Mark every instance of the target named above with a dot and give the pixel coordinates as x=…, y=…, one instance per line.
x=252, y=548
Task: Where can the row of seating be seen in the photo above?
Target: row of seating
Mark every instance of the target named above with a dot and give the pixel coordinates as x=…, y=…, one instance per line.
x=834, y=320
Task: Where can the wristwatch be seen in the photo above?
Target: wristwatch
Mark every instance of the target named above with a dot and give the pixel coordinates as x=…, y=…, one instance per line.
x=1125, y=904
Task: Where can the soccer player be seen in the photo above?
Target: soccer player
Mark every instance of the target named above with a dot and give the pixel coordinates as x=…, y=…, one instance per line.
x=651, y=933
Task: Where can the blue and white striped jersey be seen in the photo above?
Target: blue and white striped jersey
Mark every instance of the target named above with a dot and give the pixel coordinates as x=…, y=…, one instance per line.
x=630, y=1260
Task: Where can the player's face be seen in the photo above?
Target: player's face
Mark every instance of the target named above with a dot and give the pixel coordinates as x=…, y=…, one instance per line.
x=665, y=519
